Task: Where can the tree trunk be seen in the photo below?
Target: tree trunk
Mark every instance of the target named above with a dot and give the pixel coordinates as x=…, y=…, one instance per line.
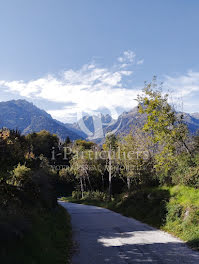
x=110, y=176
x=89, y=182
x=128, y=183
x=85, y=185
x=82, y=187
x=102, y=183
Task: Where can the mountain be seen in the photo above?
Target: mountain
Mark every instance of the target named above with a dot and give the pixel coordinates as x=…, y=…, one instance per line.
x=125, y=122
x=92, y=127
x=192, y=122
x=28, y=118
x=128, y=120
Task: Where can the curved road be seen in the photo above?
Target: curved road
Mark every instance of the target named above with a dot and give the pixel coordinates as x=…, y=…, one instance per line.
x=102, y=236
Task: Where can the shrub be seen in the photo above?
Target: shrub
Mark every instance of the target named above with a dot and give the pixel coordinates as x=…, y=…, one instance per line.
x=77, y=195
x=175, y=211
x=21, y=175
x=186, y=171
x=92, y=195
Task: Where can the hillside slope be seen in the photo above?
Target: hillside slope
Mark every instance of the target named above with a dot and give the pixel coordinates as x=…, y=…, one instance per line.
x=28, y=118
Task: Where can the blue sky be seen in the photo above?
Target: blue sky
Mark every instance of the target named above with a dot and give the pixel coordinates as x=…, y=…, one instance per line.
x=70, y=56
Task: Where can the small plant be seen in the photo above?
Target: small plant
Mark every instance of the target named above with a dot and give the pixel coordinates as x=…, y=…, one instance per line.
x=175, y=211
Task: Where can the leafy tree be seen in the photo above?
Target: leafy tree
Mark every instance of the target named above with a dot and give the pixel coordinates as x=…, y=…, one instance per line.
x=164, y=128
x=81, y=162
x=83, y=144
x=129, y=159
x=21, y=176
x=186, y=170
x=13, y=150
x=135, y=158
x=110, y=146
x=42, y=143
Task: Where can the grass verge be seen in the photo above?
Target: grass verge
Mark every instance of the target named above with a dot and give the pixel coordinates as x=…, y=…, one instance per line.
x=48, y=242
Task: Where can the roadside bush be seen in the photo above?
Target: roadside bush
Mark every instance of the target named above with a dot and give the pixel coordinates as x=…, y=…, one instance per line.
x=95, y=195
x=43, y=182
x=77, y=195
x=92, y=195
x=186, y=171
x=175, y=211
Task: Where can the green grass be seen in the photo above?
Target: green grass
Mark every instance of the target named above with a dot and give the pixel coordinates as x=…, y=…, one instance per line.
x=185, y=195
x=49, y=241
x=172, y=209
x=183, y=214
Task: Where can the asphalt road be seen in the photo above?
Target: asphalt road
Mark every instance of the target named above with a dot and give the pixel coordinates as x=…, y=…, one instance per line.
x=102, y=236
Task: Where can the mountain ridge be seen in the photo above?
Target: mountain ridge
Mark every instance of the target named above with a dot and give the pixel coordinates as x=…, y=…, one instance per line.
x=28, y=118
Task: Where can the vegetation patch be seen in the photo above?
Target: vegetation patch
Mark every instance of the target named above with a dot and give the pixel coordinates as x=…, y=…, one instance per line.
x=49, y=240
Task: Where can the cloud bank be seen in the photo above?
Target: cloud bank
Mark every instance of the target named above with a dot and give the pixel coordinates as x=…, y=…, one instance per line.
x=184, y=90
x=94, y=88
x=87, y=89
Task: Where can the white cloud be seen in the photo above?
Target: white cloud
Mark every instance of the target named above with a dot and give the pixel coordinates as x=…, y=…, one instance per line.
x=128, y=56
x=88, y=89
x=184, y=84
x=139, y=62
x=184, y=90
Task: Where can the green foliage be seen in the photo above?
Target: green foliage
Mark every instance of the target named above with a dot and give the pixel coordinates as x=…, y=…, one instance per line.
x=186, y=170
x=135, y=160
x=21, y=175
x=111, y=142
x=66, y=175
x=83, y=144
x=92, y=195
x=196, y=142
x=183, y=214
x=77, y=195
x=42, y=143
x=164, y=128
x=13, y=149
x=33, y=228
x=175, y=211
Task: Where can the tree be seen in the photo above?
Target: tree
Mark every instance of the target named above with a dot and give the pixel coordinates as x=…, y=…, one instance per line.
x=42, y=143
x=164, y=128
x=21, y=176
x=81, y=162
x=110, y=145
x=135, y=158
x=13, y=150
x=128, y=158
x=67, y=141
